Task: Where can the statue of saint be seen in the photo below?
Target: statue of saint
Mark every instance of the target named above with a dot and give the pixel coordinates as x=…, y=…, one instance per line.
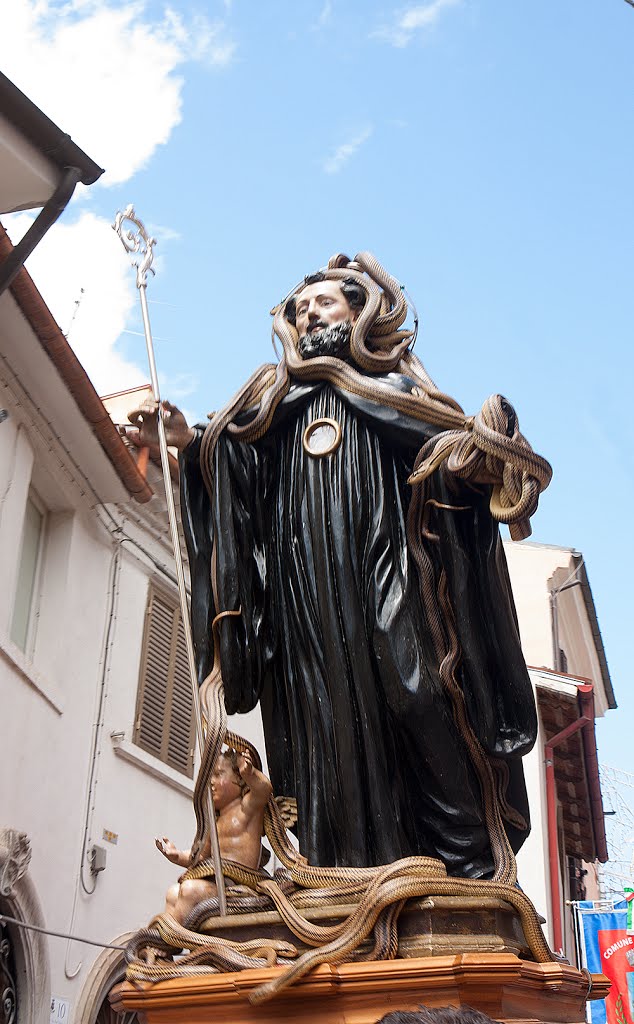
x=350, y=510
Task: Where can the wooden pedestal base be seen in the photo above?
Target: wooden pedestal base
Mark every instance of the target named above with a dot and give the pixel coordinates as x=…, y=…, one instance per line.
x=499, y=984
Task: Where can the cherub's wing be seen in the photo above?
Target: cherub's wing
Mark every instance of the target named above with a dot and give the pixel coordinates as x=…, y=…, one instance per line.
x=287, y=806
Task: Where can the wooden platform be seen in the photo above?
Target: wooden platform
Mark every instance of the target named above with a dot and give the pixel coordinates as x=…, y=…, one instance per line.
x=499, y=984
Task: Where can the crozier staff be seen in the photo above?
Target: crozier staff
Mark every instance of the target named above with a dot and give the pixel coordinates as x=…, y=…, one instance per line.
x=378, y=630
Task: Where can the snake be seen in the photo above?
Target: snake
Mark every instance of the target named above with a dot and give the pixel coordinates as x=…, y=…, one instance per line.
x=487, y=449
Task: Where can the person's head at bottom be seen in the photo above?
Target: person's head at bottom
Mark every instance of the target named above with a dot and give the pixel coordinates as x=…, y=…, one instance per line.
x=437, y=1015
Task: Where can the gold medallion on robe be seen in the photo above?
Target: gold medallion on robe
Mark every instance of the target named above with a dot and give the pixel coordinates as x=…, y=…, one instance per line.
x=322, y=437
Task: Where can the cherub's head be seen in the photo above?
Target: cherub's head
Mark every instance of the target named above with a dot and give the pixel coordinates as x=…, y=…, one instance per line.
x=227, y=784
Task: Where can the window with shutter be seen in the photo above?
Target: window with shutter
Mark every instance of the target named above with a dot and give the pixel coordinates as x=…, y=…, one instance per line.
x=25, y=603
x=164, y=723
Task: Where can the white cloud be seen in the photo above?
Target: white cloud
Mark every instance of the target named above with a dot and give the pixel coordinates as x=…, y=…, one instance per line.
x=106, y=71
x=325, y=14
x=88, y=255
x=178, y=386
x=162, y=232
x=412, y=20
x=333, y=164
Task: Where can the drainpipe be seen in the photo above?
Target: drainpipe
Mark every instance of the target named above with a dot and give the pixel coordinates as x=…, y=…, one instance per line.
x=585, y=720
x=47, y=216
x=554, y=594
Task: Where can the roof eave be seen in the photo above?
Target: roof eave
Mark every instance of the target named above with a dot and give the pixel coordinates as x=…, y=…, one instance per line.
x=56, y=145
x=591, y=611
x=47, y=331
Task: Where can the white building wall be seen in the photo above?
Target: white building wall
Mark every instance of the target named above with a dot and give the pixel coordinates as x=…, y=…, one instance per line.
x=532, y=860
x=88, y=636
x=530, y=568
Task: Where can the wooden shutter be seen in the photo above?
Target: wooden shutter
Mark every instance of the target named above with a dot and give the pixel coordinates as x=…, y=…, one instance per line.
x=164, y=721
x=180, y=733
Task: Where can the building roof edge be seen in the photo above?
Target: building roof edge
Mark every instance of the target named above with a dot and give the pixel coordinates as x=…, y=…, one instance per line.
x=53, y=143
x=48, y=333
x=591, y=611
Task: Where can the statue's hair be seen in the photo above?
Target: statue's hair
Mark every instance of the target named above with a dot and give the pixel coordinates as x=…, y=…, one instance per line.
x=231, y=756
x=353, y=292
x=437, y=1015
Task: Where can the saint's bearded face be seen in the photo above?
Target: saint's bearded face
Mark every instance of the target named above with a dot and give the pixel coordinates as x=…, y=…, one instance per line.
x=324, y=319
x=326, y=341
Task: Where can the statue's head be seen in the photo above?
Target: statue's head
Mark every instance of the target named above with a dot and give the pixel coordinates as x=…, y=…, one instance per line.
x=352, y=309
x=226, y=782
x=323, y=312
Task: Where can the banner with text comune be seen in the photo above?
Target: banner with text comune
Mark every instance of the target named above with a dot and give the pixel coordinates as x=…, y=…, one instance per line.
x=608, y=949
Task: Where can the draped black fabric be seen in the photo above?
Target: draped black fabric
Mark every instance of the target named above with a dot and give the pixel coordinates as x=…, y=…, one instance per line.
x=333, y=639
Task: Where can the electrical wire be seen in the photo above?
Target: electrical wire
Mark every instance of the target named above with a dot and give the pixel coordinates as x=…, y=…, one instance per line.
x=58, y=935
x=414, y=312
x=126, y=539
x=20, y=400
x=113, y=593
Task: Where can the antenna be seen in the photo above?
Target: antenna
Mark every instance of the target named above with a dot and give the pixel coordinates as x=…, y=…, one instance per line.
x=75, y=312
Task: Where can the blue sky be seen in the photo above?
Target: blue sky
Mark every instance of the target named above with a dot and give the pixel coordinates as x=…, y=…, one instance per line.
x=483, y=151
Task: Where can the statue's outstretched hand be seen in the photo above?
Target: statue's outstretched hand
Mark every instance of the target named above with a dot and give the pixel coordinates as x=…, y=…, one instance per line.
x=167, y=848
x=245, y=765
x=257, y=795
x=145, y=431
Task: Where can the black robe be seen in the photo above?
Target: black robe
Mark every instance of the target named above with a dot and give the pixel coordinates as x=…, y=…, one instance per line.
x=333, y=639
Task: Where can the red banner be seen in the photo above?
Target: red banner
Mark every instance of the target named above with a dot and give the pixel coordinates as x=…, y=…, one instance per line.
x=614, y=947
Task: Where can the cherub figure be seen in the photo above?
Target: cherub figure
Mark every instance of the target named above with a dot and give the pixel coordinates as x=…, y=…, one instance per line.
x=240, y=794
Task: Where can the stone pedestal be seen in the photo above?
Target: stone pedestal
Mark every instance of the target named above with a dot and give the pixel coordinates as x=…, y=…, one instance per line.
x=499, y=984
x=426, y=926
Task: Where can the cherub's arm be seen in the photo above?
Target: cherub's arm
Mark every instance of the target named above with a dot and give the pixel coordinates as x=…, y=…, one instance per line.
x=260, y=787
x=173, y=854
